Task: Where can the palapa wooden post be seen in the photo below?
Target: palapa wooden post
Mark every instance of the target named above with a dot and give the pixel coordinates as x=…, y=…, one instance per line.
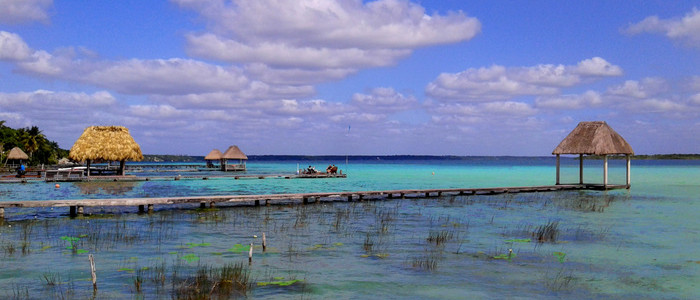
x=605, y=172
x=264, y=242
x=93, y=272
x=580, y=169
x=250, y=254
x=150, y=208
x=628, y=171
x=557, y=183
x=142, y=208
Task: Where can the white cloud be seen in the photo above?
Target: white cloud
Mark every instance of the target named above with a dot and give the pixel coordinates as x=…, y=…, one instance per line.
x=695, y=99
x=384, y=100
x=499, y=82
x=585, y=100
x=20, y=11
x=134, y=76
x=172, y=76
x=12, y=47
x=659, y=106
x=686, y=28
x=597, y=66
x=647, y=87
x=341, y=35
x=491, y=110
x=288, y=56
x=295, y=76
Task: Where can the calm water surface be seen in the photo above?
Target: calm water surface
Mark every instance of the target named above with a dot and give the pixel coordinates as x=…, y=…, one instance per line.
x=641, y=243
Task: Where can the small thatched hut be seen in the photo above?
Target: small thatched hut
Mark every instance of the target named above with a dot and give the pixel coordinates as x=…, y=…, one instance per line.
x=111, y=143
x=214, y=155
x=233, y=153
x=16, y=156
x=594, y=138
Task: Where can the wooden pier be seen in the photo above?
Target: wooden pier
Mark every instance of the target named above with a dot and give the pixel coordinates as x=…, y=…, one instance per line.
x=67, y=176
x=76, y=206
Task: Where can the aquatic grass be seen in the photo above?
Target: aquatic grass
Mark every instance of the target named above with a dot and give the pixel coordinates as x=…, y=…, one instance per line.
x=561, y=280
x=207, y=282
x=428, y=262
x=440, y=237
x=547, y=232
x=51, y=278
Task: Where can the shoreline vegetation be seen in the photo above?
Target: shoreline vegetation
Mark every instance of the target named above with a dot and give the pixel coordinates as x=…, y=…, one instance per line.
x=191, y=158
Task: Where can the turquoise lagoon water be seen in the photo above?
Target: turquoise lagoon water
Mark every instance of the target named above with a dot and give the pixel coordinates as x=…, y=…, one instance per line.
x=637, y=243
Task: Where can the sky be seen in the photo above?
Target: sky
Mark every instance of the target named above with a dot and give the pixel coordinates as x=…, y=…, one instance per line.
x=350, y=77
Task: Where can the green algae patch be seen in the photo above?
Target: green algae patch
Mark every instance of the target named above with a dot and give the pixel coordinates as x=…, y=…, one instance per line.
x=82, y=251
x=561, y=256
x=505, y=256
x=192, y=245
x=190, y=257
x=337, y=244
x=71, y=240
x=518, y=241
x=128, y=270
x=45, y=248
x=279, y=283
x=377, y=255
x=238, y=248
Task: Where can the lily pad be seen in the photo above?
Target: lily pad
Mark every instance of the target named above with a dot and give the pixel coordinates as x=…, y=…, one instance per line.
x=82, y=251
x=190, y=257
x=279, y=283
x=560, y=256
x=238, y=248
x=192, y=245
x=518, y=241
x=128, y=270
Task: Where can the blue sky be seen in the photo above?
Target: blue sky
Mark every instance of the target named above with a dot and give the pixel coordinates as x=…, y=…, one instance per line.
x=354, y=77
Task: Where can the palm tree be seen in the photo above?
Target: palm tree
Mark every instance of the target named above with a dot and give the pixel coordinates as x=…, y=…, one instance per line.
x=31, y=139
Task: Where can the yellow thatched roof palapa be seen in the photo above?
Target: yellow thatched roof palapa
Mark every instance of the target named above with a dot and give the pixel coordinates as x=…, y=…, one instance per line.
x=593, y=138
x=17, y=153
x=234, y=153
x=106, y=143
x=214, y=155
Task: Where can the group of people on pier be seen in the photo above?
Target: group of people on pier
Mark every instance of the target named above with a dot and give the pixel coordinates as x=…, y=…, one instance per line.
x=331, y=169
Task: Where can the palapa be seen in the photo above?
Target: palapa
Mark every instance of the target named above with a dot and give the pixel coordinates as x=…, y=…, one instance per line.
x=111, y=143
x=233, y=152
x=594, y=138
x=18, y=154
x=214, y=155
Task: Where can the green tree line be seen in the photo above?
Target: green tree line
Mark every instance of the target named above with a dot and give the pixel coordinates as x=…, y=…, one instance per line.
x=39, y=149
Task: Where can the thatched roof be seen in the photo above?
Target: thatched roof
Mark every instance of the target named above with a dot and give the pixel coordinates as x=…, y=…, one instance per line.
x=106, y=143
x=17, y=153
x=593, y=138
x=234, y=153
x=214, y=155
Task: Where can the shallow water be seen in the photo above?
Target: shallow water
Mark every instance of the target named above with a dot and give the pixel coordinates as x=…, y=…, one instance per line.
x=640, y=243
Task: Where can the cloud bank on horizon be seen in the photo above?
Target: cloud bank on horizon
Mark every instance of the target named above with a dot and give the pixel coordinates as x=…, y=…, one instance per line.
x=353, y=77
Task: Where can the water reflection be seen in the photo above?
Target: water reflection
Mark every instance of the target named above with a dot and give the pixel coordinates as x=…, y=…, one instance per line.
x=110, y=188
